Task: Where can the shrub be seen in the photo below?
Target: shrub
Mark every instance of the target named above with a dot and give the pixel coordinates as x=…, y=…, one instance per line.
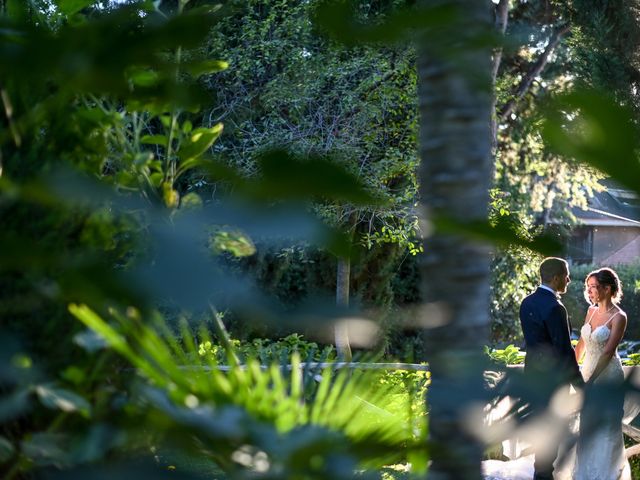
x=269, y=351
x=510, y=355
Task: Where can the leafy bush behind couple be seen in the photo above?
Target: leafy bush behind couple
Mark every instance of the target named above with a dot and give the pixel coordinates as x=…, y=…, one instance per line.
x=513, y=280
x=630, y=278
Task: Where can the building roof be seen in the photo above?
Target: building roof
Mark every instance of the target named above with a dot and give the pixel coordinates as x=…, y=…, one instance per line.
x=611, y=207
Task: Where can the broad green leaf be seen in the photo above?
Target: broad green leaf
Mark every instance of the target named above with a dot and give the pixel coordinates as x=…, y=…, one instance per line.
x=191, y=200
x=156, y=179
x=143, y=77
x=191, y=163
x=201, y=139
x=156, y=165
x=6, y=450
x=21, y=361
x=97, y=324
x=69, y=7
x=17, y=9
x=73, y=374
x=98, y=116
x=165, y=120
x=90, y=341
x=338, y=19
x=60, y=399
x=154, y=140
x=205, y=67
x=47, y=449
x=126, y=179
x=142, y=159
x=232, y=241
x=590, y=127
x=499, y=234
x=288, y=176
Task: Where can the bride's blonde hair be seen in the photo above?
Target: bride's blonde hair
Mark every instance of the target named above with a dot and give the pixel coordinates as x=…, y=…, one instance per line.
x=605, y=276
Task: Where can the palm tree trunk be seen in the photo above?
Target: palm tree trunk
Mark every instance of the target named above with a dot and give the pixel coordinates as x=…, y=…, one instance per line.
x=455, y=175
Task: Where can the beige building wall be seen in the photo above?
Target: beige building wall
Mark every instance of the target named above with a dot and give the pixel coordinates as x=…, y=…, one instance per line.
x=616, y=245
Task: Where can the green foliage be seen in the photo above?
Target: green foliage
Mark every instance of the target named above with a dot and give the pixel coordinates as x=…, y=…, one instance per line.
x=510, y=355
x=570, y=130
x=632, y=360
x=603, y=42
x=269, y=351
x=361, y=404
x=292, y=89
x=117, y=94
x=113, y=93
x=514, y=272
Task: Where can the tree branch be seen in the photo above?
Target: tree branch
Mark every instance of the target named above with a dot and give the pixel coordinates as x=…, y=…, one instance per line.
x=536, y=69
x=500, y=22
x=501, y=18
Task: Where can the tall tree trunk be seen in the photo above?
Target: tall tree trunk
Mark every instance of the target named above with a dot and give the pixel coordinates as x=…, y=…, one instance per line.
x=455, y=175
x=341, y=332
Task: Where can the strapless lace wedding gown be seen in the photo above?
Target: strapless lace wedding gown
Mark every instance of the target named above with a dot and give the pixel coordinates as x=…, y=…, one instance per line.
x=599, y=456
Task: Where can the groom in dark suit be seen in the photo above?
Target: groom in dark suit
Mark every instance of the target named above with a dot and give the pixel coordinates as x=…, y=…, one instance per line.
x=550, y=356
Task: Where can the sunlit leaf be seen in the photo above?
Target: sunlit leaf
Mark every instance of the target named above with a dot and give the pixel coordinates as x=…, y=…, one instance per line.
x=60, y=399
x=69, y=7
x=94, y=322
x=21, y=361
x=156, y=179
x=191, y=200
x=233, y=241
x=73, y=375
x=199, y=141
x=205, y=67
x=143, y=77
x=154, y=140
x=192, y=163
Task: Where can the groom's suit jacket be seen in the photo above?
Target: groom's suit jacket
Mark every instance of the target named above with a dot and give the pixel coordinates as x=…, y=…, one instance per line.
x=547, y=335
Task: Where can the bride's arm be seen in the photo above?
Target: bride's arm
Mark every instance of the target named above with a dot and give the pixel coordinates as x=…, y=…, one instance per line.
x=579, y=350
x=618, y=326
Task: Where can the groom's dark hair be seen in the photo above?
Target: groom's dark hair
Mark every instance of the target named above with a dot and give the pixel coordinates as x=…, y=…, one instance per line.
x=552, y=266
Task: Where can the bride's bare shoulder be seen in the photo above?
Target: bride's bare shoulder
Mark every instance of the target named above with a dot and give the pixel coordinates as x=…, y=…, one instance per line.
x=621, y=314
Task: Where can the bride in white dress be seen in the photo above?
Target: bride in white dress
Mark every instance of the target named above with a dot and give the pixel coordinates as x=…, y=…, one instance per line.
x=600, y=449
x=599, y=454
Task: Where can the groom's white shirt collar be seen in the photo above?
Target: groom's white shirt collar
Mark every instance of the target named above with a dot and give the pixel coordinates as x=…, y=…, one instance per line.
x=550, y=289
